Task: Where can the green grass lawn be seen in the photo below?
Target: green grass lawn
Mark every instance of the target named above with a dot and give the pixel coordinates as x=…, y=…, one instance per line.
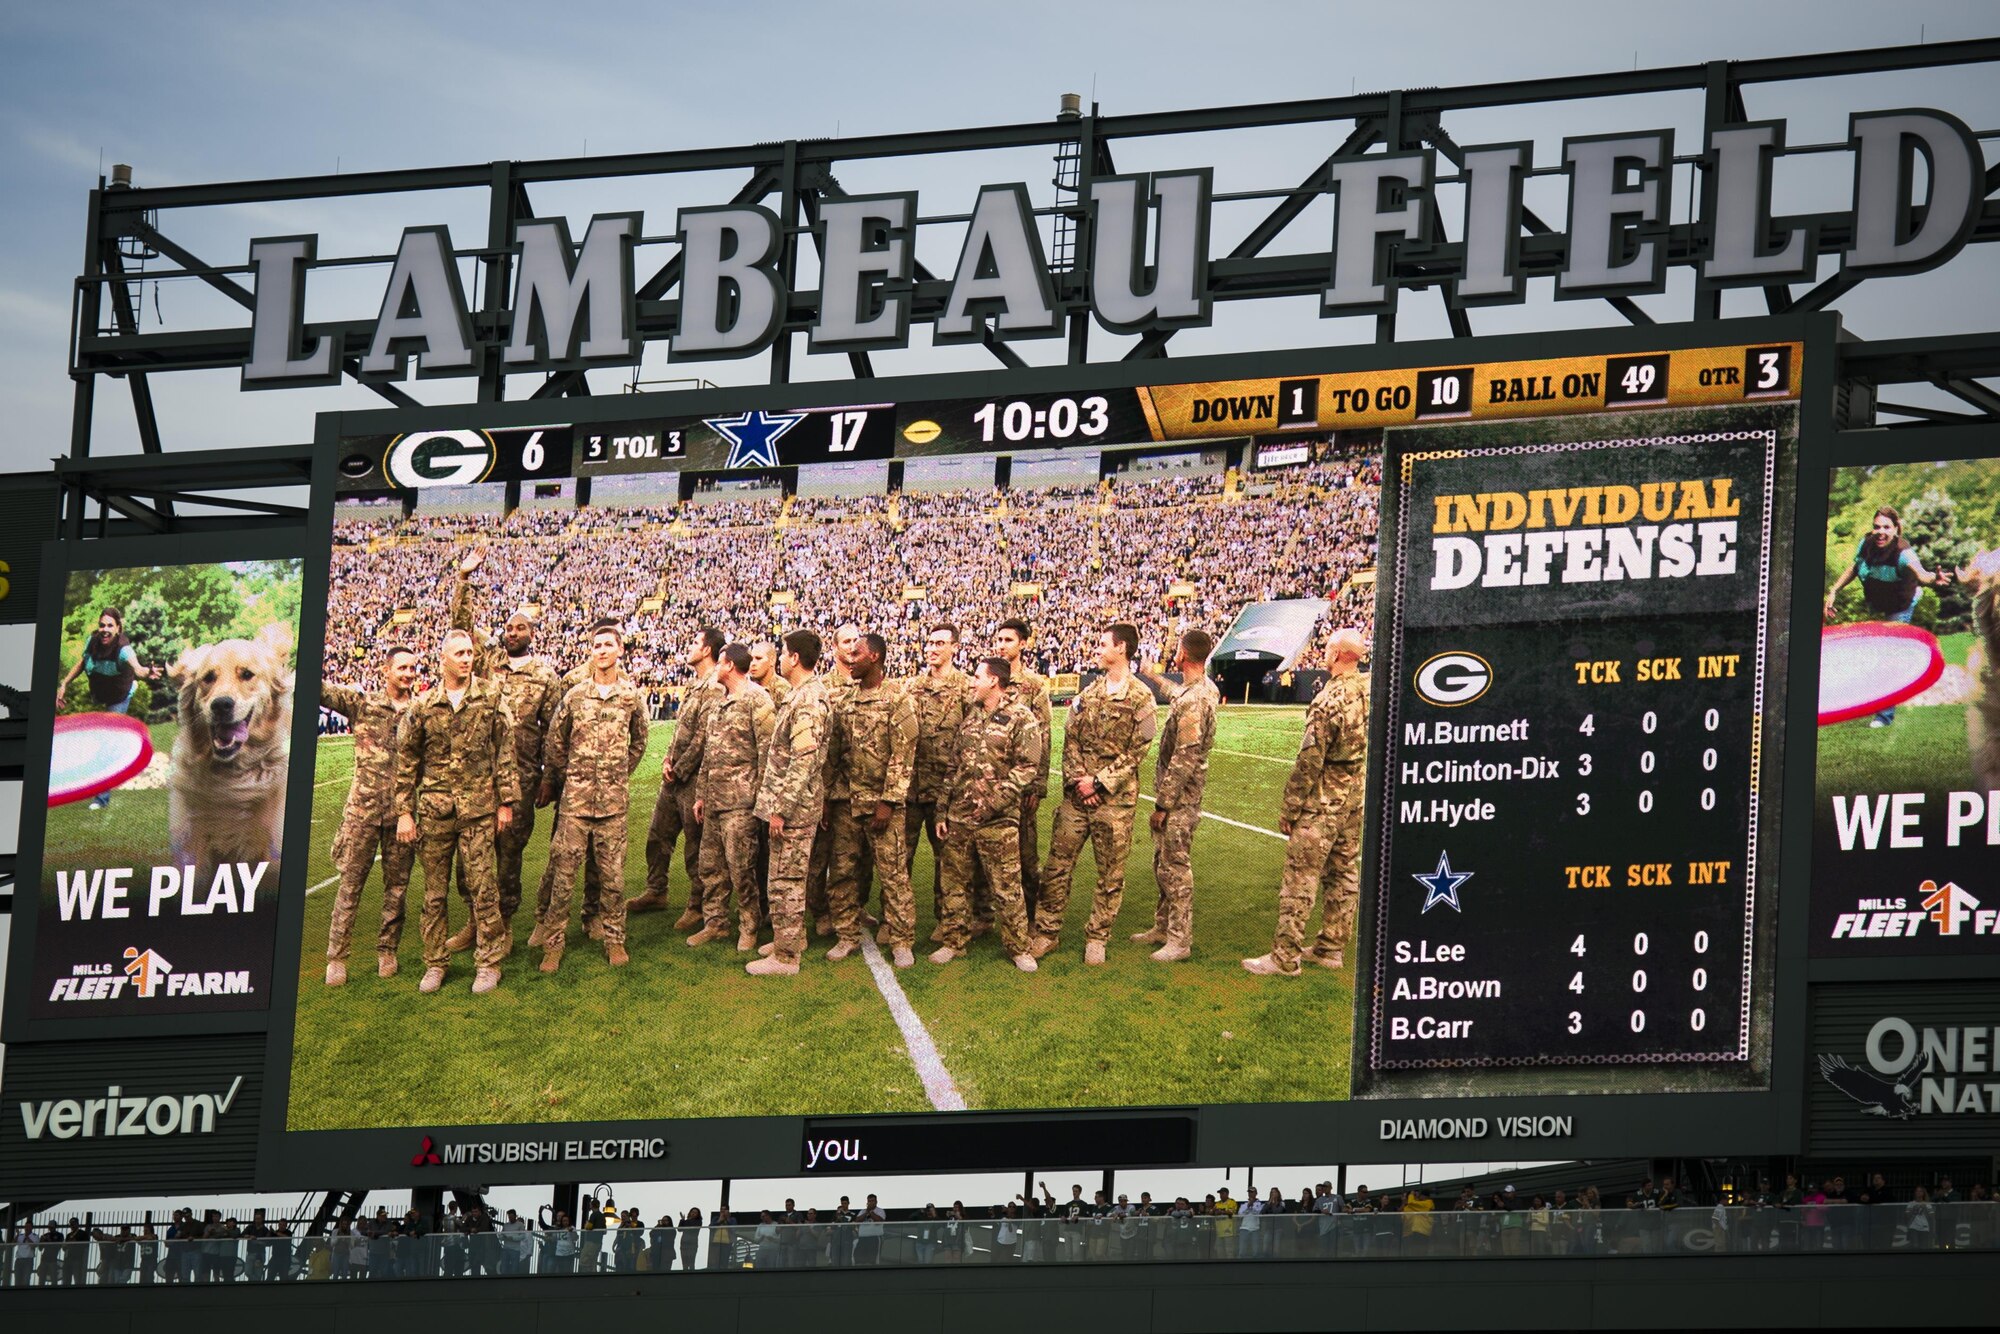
x=131, y=831
x=685, y=1033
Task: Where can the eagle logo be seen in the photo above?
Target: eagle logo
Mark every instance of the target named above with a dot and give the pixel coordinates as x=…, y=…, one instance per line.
x=1892, y=1096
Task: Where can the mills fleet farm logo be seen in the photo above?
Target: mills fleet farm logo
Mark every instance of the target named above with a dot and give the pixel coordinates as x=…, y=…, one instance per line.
x=149, y=974
x=1942, y=910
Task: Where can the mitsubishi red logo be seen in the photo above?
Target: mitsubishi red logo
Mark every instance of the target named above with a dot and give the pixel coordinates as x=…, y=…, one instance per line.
x=426, y=1155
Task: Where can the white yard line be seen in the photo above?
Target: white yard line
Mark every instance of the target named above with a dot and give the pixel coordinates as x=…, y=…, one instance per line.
x=938, y=1085
x=1248, y=755
x=1253, y=828
x=334, y=879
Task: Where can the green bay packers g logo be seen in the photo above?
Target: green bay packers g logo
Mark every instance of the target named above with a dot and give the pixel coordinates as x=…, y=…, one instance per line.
x=1451, y=679
x=439, y=458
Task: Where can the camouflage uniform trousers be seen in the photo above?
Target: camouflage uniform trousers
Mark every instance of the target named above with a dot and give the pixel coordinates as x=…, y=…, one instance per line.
x=471, y=842
x=1029, y=837
x=594, y=898
x=996, y=850
x=508, y=848
x=1109, y=828
x=822, y=862
x=673, y=818
x=920, y=818
x=1322, y=865
x=854, y=845
x=729, y=862
x=1173, y=872
x=354, y=849
x=791, y=854
x=598, y=842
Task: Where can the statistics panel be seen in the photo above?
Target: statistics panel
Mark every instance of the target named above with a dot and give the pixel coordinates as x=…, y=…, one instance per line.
x=1577, y=635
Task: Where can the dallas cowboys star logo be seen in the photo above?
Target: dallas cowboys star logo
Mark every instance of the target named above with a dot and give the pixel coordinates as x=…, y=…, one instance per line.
x=753, y=437
x=1441, y=885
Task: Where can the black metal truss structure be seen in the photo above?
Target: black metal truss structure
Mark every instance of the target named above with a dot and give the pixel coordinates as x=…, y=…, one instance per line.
x=139, y=494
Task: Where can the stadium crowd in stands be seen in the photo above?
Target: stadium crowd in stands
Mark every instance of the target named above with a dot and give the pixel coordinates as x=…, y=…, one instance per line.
x=1168, y=553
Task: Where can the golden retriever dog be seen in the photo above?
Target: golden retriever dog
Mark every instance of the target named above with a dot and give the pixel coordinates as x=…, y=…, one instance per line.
x=1982, y=664
x=226, y=795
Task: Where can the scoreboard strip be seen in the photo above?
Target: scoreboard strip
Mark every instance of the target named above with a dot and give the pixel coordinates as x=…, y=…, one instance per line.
x=1688, y=377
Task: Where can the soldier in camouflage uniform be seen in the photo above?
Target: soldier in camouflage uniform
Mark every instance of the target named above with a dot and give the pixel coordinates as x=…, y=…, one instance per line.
x=791, y=797
x=765, y=672
x=873, y=751
x=942, y=694
x=732, y=760
x=595, y=745
x=1179, y=776
x=673, y=812
x=595, y=900
x=846, y=638
x=368, y=820
x=995, y=751
x=1322, y=819
x=456, y=787
x=530, y=687
x=1031, y=690
x=1110, y=726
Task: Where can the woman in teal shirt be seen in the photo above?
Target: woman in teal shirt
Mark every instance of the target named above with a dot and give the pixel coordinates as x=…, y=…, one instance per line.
x=1891, y=579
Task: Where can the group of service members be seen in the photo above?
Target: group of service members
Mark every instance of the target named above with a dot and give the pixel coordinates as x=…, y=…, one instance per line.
x=791, y=791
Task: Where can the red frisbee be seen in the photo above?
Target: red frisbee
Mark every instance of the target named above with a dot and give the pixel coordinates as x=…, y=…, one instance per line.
x=95, y=752
x=1870, y=666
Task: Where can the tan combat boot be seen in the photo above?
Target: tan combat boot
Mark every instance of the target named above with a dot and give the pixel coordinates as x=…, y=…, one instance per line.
x=433, y=979
x=1093, y=952
x=336, y=973
x=841, y=949
x=943, y=954
x=1326, y=959
x=538, y=935
x=616, y=956
x=1152, y=935
x=1266, y=966
x=647, y=902
x=903, y=957
x=771, y=967
x=551, y=960
x=703, y=936
x=1026, y=963
x=1170, y=953
x=462, y=939
x=485, y=980
x=746, y=941
x=1041, y=946
x=690, y=920
x=385, y=964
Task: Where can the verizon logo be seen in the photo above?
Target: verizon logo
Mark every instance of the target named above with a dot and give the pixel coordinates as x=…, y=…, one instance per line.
x=115, y=1115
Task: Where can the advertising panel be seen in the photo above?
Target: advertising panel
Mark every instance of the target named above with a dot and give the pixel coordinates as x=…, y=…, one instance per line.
x=1904, y=1068
x=89, y=1119
x=607, y=968
x=162, y=839
x=1906, y=816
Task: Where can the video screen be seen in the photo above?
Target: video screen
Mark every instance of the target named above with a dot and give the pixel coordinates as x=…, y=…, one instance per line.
x=1002, y=755
x=161, y=845
x=1907, y=813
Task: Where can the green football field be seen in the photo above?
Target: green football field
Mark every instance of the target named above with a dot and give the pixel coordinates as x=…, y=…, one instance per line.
x=686, y=1033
